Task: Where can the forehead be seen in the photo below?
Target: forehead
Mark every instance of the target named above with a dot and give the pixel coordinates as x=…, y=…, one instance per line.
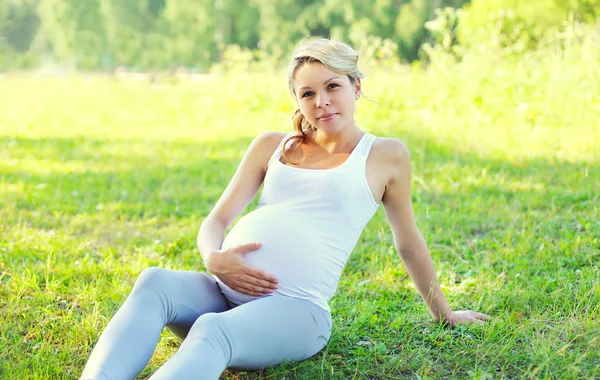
x=313, y=74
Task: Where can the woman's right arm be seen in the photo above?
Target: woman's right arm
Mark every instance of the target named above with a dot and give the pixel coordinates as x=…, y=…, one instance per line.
x=241, y=190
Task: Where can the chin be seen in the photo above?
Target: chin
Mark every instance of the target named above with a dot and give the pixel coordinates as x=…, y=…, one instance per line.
x=333, y=128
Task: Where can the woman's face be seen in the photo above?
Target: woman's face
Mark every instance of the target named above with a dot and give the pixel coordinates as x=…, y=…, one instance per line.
x=325, y=98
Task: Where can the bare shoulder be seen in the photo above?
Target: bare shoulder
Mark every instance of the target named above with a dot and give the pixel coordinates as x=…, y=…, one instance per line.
x=270, y=138
x=263, y=146
x=388, y=163
x=390, y=151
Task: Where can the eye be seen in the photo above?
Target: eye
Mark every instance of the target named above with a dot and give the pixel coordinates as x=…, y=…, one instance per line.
x=307, y=93
x=333, y=85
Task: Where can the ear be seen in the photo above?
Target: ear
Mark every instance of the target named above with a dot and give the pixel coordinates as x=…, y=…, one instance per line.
x=357, y=86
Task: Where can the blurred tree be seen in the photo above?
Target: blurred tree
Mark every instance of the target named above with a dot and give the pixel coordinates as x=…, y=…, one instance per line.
x=155, y=7
x=410, y=30
x=278, y=24
x=519, y=24
x=161, y=34
x=583, y=10
x=190, y=27
x=57, y=28
x=20, y=24
x=90, y=42
x=236, y=22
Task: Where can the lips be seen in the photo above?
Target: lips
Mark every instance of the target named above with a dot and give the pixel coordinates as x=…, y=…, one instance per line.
x=327, y=116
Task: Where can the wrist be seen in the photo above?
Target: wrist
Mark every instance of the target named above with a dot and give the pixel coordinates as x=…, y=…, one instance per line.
x=209, y=260
x=442, y=315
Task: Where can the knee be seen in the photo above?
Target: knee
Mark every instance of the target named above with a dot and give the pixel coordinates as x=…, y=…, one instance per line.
x=205, y=323
x=151, y=278
x=210, y=327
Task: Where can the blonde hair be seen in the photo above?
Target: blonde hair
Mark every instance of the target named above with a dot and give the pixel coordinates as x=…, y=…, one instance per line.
x=336, y=56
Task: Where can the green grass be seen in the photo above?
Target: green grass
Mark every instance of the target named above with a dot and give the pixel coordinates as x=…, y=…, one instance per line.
x=100, y=179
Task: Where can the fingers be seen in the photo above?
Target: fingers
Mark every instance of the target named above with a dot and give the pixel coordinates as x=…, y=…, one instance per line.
x=478, y=318
x=246, y=279
x=263, y=285
x=260, y=275
x=248, y=291
x=468, y=321
x=255, y=287
x=245, y=248
x=468, y=317
x=249, y=284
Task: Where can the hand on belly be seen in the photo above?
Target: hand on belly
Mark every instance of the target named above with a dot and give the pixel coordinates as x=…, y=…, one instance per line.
x=287, y=252
x=230, y=267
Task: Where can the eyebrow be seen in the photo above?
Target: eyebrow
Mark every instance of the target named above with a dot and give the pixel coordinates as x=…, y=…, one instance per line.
x=303, y=87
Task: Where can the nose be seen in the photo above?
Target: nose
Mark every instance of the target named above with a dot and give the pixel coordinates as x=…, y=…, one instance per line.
x=323, y=101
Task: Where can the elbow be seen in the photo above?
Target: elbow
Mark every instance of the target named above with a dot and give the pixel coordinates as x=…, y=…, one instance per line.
x=413, y=251
x=211, y=223
x=409, y=249
x=206, y=224
x=212, y=220
x=408, y=253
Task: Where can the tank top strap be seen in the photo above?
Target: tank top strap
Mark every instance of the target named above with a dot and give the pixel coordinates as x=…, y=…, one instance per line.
x=279, y=150
x=362, y=149
x=366, y=145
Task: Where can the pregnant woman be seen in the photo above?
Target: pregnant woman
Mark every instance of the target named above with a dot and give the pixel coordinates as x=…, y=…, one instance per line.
x=265, y=299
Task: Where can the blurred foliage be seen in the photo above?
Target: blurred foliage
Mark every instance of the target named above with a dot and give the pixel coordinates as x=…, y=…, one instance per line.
x=167, y=34
x=521, y=24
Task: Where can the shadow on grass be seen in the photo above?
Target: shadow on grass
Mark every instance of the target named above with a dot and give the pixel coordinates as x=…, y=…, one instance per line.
x=459, y=198
x=151, y=177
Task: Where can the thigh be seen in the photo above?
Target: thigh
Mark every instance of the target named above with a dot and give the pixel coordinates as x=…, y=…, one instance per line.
x=270, y=330
x=184, y=296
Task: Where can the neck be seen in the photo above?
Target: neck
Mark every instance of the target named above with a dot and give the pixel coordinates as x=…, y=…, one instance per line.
x=335, y=142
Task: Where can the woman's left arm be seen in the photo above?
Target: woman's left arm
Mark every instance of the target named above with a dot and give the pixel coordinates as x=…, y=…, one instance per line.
x=408, y=240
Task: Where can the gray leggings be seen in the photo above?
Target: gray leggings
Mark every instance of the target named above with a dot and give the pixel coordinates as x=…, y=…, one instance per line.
x=217, y=335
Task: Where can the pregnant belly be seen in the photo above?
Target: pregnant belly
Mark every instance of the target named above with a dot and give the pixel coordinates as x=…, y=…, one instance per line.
x=288, y=251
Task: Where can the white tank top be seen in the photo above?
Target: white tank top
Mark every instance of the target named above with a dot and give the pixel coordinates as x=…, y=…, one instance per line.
x=308, y=221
